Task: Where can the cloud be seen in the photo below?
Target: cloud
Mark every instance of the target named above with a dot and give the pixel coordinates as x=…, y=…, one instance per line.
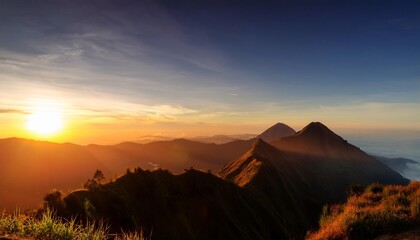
x=12, y=111
x=412, y=171
x=141, y=52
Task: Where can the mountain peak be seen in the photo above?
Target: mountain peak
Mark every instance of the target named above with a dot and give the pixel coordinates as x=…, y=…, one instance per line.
x=318, y=130
x=276, y=132
x=315, y=138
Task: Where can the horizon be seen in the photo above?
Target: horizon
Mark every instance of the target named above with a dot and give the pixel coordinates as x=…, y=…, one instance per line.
x=390, y=144
x=107, y=72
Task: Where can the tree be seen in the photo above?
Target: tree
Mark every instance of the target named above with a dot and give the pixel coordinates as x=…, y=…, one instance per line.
x=97, y=179
x=99, y=176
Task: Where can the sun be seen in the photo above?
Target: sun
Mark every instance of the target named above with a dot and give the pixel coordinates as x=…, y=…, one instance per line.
x=45, y=119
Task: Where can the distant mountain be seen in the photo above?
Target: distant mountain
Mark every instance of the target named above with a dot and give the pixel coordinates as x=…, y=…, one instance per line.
x=152, y=138
x=407, y=167
x=398, y=164
x=29, y=169
x=175, y=155
x=276, y=132
x=192, y=205
x=222, y=139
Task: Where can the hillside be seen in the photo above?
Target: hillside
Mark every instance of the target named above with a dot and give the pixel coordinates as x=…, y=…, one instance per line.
x=192, y=205
x=279, y=180
x=380, y=211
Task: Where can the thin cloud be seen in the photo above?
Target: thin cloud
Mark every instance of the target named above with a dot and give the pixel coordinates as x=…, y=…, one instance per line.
x=12, y=111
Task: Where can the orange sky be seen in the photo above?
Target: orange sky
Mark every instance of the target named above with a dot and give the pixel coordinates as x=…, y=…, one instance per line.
x=112, y=121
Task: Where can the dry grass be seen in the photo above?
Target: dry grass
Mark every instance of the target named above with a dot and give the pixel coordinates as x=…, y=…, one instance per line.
x=379, y=210
x=49, y=227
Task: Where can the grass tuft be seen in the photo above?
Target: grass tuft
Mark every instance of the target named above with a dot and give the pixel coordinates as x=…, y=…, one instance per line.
x=50, y=227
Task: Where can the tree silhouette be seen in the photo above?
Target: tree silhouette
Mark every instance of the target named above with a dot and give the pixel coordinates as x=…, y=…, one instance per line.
x=97, y=179
x=99, y=176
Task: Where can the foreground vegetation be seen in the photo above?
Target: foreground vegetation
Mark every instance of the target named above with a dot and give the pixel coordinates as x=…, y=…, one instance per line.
x=48, y=227
x=376, y=211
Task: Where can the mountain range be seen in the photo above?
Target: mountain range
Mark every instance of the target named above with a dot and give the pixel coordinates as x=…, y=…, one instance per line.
x=272, y=191
x=30, y=169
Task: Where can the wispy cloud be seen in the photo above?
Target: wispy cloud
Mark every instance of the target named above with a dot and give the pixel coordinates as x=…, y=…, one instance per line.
x=12, y=111
x=141, y=53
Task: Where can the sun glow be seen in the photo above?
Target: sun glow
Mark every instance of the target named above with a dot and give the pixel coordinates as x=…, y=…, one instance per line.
x=45, y=119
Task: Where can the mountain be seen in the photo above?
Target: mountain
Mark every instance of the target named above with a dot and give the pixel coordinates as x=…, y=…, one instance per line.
x=191, y=205
x=335, y=164
x=152, y=138
x=315, y=139
x=29, y=169
x=300, y=173
x=406, y=167
x=276, y=132
x=175, y=155
x=278, y=179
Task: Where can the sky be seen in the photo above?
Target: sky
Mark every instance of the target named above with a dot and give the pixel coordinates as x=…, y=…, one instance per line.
x=121, y=69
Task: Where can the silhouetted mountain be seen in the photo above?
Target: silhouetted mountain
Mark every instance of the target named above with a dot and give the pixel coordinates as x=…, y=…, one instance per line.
x=192, y=205
x=276, y=132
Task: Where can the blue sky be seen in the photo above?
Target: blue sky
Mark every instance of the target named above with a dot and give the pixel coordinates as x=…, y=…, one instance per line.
x=231, y=66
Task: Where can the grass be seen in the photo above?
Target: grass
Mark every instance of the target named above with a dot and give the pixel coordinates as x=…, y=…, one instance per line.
x=49, y=227
x=378, y=210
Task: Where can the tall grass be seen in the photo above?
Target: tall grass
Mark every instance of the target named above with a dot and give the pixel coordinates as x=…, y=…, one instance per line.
x=49, y=227
x=379, y=210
